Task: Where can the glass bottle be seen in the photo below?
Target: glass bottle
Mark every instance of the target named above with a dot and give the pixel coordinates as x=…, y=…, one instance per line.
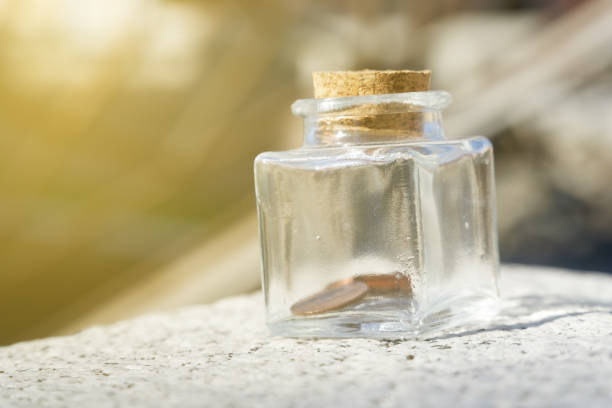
x=377, y=226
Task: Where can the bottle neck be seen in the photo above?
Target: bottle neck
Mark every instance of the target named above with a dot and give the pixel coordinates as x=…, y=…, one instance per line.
x=321, y=130
x=367, y=119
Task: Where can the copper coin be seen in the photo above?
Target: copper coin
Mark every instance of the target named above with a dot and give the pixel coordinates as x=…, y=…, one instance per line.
x=386, y=283
x=339, y=283
x=330, y=299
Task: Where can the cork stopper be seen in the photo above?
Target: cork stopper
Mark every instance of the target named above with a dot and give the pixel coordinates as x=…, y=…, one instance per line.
x=333, y=84
x=394, y=118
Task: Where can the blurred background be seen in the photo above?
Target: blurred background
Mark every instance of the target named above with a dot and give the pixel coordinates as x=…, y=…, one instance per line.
x=128, y=130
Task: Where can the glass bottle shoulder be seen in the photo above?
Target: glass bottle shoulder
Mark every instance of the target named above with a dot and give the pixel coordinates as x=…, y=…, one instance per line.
x=436, y=152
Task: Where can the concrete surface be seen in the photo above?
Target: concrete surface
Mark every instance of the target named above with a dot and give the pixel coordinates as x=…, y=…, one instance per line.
x=551, y=347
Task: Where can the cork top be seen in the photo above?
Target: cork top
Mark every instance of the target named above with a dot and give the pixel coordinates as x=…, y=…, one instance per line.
x=371, y=106
x=333, y=84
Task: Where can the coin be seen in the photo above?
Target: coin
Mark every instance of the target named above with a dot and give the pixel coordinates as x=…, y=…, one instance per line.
x=386, y=283
x=340, y=282
x=330, y=299
x=378, y=283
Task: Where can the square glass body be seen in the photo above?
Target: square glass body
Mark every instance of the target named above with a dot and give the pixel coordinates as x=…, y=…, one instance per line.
x=420, y=211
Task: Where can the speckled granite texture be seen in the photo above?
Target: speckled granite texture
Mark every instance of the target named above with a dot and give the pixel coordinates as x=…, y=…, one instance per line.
x=552, y=347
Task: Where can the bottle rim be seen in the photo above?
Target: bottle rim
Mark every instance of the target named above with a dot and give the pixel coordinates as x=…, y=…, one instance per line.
x=400, y=102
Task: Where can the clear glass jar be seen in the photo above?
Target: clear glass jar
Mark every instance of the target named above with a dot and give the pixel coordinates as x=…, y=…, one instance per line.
x=376, y=195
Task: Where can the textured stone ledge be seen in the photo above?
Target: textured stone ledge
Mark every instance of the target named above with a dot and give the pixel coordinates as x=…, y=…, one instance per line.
x=552, y=347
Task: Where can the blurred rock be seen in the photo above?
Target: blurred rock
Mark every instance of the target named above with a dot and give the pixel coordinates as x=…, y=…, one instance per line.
x=463, y=46
x=553, y=160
